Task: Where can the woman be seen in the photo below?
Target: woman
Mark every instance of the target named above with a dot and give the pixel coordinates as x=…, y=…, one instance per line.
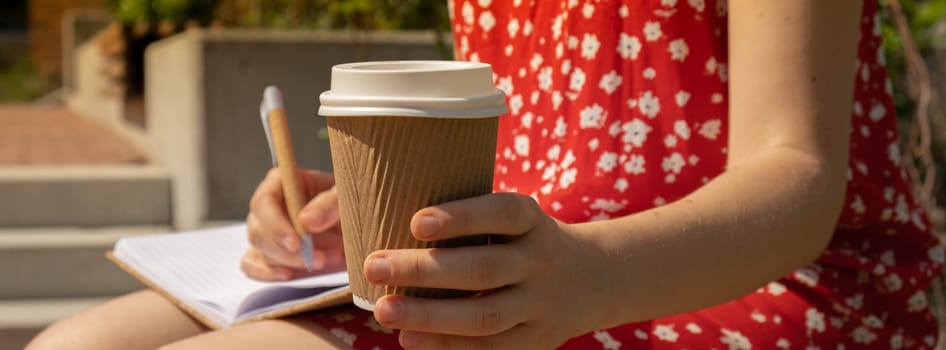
x=690, y=174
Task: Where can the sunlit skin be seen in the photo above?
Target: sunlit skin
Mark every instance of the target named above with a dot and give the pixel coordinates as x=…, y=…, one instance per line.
x=792, y=66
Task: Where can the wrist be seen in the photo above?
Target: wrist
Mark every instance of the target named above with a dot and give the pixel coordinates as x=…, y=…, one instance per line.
x=599, y=276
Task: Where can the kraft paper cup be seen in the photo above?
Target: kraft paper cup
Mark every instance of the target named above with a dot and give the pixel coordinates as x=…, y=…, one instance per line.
x=405, y=135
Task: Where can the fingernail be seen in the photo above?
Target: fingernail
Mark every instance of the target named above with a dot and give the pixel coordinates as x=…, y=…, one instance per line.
x=387, y=312
x=378, y=270
x=283, y=275
x=410, y=339
x=289, y=242
x=427, y=227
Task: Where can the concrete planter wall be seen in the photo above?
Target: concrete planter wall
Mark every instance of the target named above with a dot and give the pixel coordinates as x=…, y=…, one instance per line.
x=79, y=26
x=202, y=92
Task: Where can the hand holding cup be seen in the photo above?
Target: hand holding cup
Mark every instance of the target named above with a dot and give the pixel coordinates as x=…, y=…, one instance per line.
x=406, y=135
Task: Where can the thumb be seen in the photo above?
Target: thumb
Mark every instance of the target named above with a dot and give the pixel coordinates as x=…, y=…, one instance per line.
x=321, y=213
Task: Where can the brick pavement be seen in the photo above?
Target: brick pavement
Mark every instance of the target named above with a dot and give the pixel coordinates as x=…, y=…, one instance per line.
x=44, y=135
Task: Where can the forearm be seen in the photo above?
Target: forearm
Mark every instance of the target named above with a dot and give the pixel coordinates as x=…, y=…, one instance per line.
x=775, y=207
x=752, y=224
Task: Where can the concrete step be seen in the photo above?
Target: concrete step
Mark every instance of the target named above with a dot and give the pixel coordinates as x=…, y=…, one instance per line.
x=22, y=319
x=104, y=195
x=64, y=262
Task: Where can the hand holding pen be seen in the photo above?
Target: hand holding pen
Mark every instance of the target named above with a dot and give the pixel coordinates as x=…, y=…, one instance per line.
x=282, y=230
x=273, y=114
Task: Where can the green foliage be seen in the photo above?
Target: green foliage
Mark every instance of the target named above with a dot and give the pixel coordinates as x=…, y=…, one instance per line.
x=388, y=14
x=129, y=11
x=277, y=14
x=923, y=17
x=340, y=14
x=926, y=20
x=292, y=14
x=181, y=10
x=336, y=14
x=18, y=82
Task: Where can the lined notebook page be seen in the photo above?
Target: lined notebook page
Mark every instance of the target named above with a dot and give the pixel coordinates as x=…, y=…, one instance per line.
x=204, y=267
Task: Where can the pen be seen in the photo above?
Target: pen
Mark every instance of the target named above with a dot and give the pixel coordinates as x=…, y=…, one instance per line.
x=273, y=115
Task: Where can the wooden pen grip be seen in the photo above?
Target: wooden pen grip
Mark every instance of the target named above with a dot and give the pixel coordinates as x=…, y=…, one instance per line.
x=286, y=161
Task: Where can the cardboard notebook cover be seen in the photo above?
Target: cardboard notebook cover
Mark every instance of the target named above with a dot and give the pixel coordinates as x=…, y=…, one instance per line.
x=328, y=300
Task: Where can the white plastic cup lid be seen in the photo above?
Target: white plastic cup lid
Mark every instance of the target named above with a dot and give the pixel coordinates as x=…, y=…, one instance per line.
x=444, y=89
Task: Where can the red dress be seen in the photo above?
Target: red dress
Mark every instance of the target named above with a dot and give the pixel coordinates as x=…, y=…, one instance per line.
x=620, y=106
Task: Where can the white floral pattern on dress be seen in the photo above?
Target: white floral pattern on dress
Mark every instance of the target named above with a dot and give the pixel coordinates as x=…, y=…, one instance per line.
x=344, y=336
x=735, y=340
x=652, y=31
x=814, y=320
x=607, y=342
x=629, y=46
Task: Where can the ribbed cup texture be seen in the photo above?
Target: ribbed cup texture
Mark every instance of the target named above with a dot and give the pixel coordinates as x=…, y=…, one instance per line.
x=387, y=168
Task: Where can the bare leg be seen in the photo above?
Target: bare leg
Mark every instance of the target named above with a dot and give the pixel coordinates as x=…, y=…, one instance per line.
x=140, y=320
x=290, y=333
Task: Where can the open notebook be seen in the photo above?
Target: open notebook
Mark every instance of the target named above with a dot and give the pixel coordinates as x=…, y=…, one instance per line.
x=200, y=272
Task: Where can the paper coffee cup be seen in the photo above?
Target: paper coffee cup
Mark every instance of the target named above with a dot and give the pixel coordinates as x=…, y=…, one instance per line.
x=406, y=135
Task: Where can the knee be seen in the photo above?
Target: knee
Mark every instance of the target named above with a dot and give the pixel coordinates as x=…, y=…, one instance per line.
x=194, y=343
x=65, y=334
x=49, y=338
x=105, y=326
x=174, y=346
